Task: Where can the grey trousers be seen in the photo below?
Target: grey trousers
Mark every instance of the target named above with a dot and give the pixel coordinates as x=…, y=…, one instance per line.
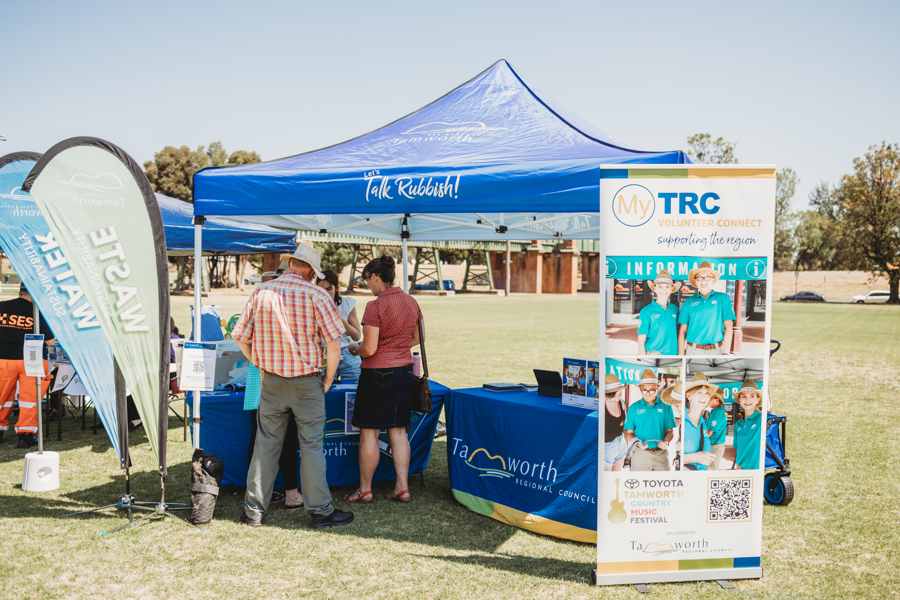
x=302, y=399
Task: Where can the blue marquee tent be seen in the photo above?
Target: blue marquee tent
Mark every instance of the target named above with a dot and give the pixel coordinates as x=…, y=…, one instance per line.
x=494, y=159
x=220, y=236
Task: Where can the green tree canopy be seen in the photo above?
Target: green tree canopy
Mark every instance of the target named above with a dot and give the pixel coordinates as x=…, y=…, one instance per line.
x=867, y=204
x=705, y=150
x=171, y=172
x=786, y=181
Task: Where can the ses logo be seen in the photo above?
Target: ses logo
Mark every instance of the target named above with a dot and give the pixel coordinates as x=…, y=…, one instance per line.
x=634, y=205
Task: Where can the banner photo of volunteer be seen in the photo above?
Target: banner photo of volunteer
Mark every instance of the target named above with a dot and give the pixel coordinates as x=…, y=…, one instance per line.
x=689, y=254
x=45, y=272
x=103, y=214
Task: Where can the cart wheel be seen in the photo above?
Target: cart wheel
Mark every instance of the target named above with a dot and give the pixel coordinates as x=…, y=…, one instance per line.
x=778, y=489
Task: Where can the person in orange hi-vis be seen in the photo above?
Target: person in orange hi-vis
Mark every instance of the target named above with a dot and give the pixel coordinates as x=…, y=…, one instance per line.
x=17, y=321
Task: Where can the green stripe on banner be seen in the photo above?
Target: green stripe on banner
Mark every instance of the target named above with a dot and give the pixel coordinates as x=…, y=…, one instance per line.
x=708, y=563
x=647, y=267
x=474, y=503
x=657, y=173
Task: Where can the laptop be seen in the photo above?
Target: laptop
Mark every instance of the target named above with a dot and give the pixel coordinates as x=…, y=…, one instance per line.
x=549, y=383
x=503, y=387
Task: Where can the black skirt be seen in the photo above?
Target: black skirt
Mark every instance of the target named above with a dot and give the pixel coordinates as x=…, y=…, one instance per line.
x=383, y=398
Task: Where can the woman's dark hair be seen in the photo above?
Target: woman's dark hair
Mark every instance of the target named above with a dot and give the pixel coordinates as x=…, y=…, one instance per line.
x=332, y=278
x=383, y=267
x=174, y=327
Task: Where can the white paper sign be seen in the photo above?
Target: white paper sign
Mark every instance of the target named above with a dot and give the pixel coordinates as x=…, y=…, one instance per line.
x=34, y=355
x=198, y=367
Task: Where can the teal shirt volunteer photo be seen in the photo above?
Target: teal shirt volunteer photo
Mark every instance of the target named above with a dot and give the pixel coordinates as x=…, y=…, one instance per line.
x=705, y=317
x=660, y=325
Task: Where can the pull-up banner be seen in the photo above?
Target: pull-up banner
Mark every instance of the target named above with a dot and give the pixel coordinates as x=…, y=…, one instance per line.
x=45, y=271
x=683, y=499
x=103, y=214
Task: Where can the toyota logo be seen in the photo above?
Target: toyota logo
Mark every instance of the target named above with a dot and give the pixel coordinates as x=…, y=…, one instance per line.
x=632, y=483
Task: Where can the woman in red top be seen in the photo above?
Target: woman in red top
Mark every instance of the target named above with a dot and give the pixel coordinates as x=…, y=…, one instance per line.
x=384, y=391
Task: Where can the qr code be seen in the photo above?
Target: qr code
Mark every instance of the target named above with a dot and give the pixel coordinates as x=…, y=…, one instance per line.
x=729, y=499
x=197, y=367
x=32, y=356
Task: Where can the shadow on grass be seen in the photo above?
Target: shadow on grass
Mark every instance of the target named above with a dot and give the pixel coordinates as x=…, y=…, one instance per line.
x=551, y=568
x=73, y=437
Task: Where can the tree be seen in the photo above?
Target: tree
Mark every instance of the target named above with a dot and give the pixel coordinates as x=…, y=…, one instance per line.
x=335, y=256
x=171, y=173
x=705, y=150
x=814, y=250
x=868, y=206
x=785, y=187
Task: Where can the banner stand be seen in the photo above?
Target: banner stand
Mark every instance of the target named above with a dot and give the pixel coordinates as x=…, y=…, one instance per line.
x=127, y=502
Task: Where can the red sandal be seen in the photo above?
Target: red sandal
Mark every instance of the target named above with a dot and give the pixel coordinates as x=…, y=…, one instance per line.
x=396, y=497
x=359, y=497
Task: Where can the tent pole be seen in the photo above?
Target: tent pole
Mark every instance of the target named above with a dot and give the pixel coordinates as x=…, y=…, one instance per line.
x=198, y=283
x=405, y=267
x=508, y=258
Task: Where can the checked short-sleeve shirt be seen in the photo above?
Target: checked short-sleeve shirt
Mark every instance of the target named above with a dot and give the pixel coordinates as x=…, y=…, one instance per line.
x=283, y=320
x=396, y=315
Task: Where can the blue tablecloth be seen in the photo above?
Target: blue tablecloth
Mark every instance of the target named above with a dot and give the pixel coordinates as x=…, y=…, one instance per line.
x=226, y=429
x=526, y=460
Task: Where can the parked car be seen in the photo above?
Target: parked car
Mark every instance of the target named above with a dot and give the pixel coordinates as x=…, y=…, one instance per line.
x=876, y=297
x=252, y=279
x=804, y=297
x=433, y=285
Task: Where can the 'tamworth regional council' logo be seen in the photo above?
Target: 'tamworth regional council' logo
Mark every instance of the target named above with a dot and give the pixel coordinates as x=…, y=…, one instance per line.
x=489, y=471
x=633, y=205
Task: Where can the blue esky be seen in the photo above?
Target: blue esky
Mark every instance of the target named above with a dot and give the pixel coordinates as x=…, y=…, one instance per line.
x=809, y=85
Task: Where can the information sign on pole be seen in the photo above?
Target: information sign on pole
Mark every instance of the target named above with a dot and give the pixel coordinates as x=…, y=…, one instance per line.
x=34, y=355
x=198, y=367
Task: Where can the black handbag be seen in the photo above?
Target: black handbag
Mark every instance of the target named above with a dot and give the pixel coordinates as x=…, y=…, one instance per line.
x=421, y=391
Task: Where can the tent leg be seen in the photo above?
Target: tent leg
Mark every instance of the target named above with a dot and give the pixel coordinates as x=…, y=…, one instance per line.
x=405, y=267
x=198, y=261
x=507, y=284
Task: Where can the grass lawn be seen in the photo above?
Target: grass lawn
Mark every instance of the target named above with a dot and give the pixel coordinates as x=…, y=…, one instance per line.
x=837, y=378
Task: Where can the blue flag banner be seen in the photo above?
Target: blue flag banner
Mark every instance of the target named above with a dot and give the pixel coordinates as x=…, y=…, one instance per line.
x=43, y=268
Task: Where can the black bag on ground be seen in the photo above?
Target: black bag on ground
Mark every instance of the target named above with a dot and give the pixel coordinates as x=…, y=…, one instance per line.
x=206, y=477
x=421, y=391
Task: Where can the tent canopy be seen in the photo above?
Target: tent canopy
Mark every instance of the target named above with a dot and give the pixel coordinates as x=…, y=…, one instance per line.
x=219, y=236
x=494, y=159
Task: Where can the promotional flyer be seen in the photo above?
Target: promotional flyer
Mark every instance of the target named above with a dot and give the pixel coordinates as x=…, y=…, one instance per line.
x=688, y=251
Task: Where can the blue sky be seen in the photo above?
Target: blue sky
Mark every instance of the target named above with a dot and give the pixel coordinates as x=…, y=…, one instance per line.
x=799, y=84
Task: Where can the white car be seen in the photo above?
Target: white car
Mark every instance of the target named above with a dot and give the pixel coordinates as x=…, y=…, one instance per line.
x=876, y=297
x=252, y=279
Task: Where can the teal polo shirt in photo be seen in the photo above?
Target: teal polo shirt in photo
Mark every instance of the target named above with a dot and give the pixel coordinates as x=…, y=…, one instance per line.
x=747, y=434
x=705, y=317
x=661, y=328
x=696, y=440
x=717, y=422
x=650, y=422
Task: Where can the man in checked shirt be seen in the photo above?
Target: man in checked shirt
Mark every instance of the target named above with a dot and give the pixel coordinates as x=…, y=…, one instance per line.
x=278, y=331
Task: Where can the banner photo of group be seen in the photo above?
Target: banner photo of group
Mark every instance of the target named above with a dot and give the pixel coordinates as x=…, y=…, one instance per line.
x=688, y=250
x=676, y=305
x=724, y=426
x=640, y=417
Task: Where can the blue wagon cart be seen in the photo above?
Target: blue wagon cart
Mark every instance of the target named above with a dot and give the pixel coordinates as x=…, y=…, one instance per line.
x=777, y=486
